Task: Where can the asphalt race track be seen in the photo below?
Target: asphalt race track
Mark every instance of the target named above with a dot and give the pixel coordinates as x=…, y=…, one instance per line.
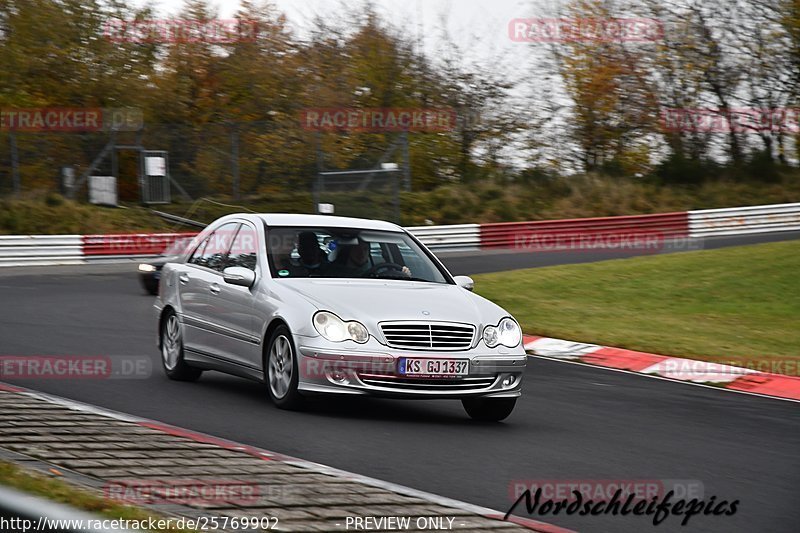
x=573, y=422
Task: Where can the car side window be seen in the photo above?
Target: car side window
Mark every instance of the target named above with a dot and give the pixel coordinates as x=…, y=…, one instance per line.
x=244, y=250
x=213, y=252
x=376, y=252
x=198, y=252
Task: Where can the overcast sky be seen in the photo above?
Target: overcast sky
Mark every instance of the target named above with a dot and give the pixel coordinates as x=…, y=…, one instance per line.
x=468, y=21
x=478, y=27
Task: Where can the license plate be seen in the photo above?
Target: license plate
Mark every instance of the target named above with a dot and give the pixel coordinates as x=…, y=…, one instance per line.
x=435, y=368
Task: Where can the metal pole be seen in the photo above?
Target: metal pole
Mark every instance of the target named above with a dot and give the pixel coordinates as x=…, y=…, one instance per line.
x=235, y=159
x=395, y=186
x=406, y=164
x=12, y=139
x=115, y=163
x=142, y=190
x=318, y=184
x=357, y=172
x=140, y=170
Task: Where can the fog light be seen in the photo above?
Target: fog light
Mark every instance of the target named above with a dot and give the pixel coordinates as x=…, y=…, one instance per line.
x=509, y=381
x=339, y=377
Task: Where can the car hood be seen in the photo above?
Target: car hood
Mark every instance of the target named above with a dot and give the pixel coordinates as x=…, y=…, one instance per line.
x=373, y=301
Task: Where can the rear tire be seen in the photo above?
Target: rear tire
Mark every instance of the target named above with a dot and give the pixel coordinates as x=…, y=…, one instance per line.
x=489, y=409
x=172, y=351
x=281, y=371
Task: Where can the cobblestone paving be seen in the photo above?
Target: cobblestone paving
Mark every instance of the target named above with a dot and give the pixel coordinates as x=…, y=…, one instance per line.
x=124, y=459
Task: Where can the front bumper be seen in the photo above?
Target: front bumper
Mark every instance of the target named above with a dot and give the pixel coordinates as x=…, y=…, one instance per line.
x=325, y=370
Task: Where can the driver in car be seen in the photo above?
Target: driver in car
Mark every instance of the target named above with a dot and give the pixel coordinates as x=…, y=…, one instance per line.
x=359, y=263
x=358, y=260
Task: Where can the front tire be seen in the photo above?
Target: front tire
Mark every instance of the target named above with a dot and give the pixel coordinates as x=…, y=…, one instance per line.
x=489, y=409
x=172, y=351
x=282, y=371
x=150, y=285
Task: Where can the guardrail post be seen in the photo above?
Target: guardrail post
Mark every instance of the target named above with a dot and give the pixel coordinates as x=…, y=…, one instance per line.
x=235, y=160
x=406, y=164
x=12, y=140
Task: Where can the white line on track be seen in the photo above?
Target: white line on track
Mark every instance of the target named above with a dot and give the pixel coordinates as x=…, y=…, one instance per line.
x=662, y=378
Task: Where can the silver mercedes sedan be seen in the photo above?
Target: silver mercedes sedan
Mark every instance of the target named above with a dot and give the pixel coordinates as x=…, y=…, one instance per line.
x=321, y=304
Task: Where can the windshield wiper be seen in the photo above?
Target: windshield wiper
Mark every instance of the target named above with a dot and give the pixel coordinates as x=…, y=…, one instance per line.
x=402, y=278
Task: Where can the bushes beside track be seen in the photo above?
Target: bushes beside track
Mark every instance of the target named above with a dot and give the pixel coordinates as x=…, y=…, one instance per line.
x=543, y=198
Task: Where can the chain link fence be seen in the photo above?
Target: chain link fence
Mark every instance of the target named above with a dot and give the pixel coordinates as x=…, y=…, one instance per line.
x=239, y=160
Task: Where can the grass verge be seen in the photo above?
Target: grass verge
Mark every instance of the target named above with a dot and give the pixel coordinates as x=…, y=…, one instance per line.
x=57, y=490
x=736, y=305
x=54, y=215
x=591, y=195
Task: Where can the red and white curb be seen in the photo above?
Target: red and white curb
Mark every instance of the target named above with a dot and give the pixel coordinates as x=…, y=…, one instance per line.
x=674, y=368
x=266, y=455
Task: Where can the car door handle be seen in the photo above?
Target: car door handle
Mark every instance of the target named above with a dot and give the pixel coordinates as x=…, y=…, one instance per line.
x=214, y=288
x=184, y=278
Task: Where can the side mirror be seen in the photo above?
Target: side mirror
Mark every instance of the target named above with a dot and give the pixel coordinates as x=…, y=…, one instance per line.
x=244, y=277
x=465, y=282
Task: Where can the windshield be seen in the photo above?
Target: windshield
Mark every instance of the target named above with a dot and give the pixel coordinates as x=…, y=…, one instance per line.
x=306, y=252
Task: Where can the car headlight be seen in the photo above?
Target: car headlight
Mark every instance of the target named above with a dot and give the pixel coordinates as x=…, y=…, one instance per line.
x=507, y=333
x=335, y=329
x=144, y=267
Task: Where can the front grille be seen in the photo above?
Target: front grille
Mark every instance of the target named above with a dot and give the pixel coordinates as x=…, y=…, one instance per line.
x=415, y=384
x=428, y=335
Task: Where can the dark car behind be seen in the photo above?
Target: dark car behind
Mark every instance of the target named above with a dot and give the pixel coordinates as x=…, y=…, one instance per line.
x=150, y=272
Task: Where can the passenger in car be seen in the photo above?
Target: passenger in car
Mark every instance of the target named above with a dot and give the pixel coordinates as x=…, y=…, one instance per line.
x=312, y=258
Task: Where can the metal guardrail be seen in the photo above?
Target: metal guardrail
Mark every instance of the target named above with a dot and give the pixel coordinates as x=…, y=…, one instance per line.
x=744, y=220
x=22, y=250
x=128, y=244
x=455, y=238
x=33, y=250
x=450, y=238
x=515, y=234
